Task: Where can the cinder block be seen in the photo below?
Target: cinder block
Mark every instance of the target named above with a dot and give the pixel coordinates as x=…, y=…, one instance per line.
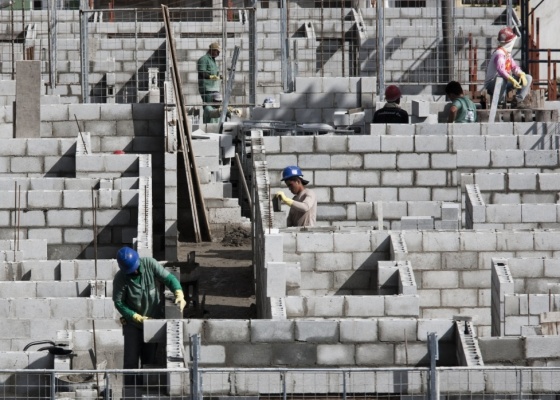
x=331, y=144
x=397, y=330
x=440, y=279
x=393, y=144
x=473, y=158
x=538, y=212
x=335, y=354
x=352, y=241
x=364, y=306
x=478, y=241
x=431, y=144
x=315, y=242
x=329, y=306
x=503, y=213
x=272, y=331
x=358, y=330
x=363, y=178
x=507, y=158
x=218, y=331
x=402, y=306
x=316, y=331
x=364, y=143
x=522, y=181
x=379, y=354
x=490, y=181
x=212, y=355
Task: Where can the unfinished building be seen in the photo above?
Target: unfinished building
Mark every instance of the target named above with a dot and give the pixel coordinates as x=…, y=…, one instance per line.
x=432, y=269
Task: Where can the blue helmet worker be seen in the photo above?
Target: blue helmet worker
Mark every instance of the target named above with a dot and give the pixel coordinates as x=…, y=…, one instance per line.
x=136, y=298
x=303, y=206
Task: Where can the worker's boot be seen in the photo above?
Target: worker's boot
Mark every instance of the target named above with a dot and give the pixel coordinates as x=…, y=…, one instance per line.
x=524, y=104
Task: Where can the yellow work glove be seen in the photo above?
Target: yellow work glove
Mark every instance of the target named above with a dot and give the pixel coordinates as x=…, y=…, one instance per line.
x=514, y=83
x=234, y=111
x=180, y=299
x=214, y=77
x=523, y=79
x=284, y=198
x=139, y=318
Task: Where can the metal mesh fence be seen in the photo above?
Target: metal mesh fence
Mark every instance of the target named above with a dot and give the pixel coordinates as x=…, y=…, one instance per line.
x=120, y=55
x=490, y=383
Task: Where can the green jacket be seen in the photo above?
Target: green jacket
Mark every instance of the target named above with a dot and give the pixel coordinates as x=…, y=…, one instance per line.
x=139, y=293
x=466, y=110
x=207, y=66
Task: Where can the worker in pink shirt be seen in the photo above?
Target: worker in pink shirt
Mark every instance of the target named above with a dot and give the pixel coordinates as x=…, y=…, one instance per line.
x=502, y=64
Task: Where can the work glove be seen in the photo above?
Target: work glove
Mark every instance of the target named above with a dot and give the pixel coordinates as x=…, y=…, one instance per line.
x=139, y=318
x=523, y=79
x=234, y=111
x=284, y=198
x=514, y=83
x=180, y=299
x=214, y=77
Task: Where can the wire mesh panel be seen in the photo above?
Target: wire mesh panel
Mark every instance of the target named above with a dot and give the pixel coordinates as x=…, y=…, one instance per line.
x=314, y=383
x=500, y=382
x=126, y=55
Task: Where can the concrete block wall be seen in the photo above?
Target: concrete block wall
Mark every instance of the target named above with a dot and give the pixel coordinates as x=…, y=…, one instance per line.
x=323, y=342
x=65, y=219
x=512, y=200
x=522, y=289
x=346, y=171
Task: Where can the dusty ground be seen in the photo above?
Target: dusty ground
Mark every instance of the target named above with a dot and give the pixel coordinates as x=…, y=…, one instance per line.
x=225, y=275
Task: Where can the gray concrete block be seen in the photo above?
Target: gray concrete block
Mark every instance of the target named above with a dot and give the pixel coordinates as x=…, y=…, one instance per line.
x=316, y=331
x=498, y=213
x=473, y=158
x=219, y=331
x=378, y=354
x=361, y=143
x=358, y=330
x=364, y=306
x=538, y=213
x=272, y=331
x=335, y=354
x=315, y=242
x=392, y=144
x=507, y=158
x=328, y=306
x=394, y=330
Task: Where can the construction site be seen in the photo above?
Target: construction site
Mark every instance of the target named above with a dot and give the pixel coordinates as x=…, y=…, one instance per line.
x=432, y=270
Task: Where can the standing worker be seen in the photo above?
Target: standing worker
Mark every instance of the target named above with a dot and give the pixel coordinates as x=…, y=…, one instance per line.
x=303, y=206
x=502, y=64
x=391, y=113
x=462, y=108
x=208, y=73
x=136, y=297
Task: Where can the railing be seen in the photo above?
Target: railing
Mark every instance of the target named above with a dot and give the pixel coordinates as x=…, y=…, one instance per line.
x=285, y=383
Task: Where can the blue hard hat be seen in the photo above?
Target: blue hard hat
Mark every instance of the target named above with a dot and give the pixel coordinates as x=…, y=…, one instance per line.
x=128, y=260
x=291, y=171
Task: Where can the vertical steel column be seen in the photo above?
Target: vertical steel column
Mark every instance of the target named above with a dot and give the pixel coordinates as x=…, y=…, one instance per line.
x=524, y=29
x=52, y=44
x=434, y=356
x=448, y=37
x=84, y=63
x=135, y=53
x=284, y=44
x=195, y=374
x=380, y=49
x=509, y=13
x=253, y=53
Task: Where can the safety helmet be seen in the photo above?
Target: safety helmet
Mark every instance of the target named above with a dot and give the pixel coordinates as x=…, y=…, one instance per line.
x=217, y=97
x=128, y=260
x=215, y=46
x=291, y=171
x=392, y=93
x=506, y=35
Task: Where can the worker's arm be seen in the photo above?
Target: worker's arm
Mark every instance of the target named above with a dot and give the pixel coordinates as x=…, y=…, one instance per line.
x=169, y=281
x=119, y=298
x=452, y=114
x=308, y=202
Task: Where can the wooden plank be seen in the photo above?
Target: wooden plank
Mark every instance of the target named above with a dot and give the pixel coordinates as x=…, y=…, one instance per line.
x=200, y=217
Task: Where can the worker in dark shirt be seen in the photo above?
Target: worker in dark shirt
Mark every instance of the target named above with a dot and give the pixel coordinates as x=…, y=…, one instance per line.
x=391, y=113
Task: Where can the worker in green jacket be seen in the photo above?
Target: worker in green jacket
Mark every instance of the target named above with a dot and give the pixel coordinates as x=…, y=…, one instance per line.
x=209, y=77
x=136, y=297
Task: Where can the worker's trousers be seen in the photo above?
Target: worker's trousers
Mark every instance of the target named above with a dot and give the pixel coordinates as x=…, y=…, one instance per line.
x=134, y=350
x=507, y=86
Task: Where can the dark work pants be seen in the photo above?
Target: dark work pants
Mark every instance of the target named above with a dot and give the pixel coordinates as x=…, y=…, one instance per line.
x=135, y=349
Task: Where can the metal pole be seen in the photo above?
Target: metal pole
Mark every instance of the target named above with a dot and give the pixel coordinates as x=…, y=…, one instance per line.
x=434, y=356
x=509, y=13
x=12, y=35
x=380, y=48
x=54, y=46
x=448, y=37
x=195, y=378
x=135, y=51
x=84, y=64
x=53, y=386
x=284, y=43
x=253, y=53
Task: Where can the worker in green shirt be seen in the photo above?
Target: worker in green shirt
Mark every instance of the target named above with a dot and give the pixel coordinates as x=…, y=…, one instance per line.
x=208, y=73
x=136, y=297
